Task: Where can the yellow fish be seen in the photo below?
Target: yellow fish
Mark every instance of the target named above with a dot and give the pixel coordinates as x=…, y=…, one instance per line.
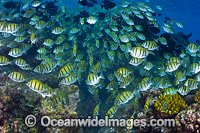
x=33, y=39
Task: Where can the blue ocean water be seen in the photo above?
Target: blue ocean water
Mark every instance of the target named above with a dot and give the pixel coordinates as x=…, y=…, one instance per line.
x=185, y=11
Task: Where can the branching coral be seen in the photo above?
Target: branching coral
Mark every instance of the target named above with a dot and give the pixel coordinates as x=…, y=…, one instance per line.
x=189, y=120
x=197, y=97
x=169, y=103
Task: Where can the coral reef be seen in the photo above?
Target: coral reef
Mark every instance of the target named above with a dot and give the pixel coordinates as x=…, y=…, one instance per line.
x=63, y=110
x=189, y=120
x=3, y=78
x=154, y=94
x=17, y=101
x=169, y=103
x=197, y=97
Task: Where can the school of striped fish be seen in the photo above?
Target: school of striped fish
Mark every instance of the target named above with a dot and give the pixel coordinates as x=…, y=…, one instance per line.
x=110, y=54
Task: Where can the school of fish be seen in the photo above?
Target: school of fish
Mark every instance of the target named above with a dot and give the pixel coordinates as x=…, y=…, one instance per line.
x=113, y=53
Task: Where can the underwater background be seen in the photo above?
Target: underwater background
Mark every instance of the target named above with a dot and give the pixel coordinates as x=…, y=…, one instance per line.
x=185, y=11
x=70, y=59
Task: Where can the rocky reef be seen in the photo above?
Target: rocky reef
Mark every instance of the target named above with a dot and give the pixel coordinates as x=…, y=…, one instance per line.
x=17, y=101
x=187, y=118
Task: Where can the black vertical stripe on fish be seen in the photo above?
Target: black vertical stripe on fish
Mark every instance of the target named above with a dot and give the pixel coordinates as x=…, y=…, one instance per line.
x=34, y=84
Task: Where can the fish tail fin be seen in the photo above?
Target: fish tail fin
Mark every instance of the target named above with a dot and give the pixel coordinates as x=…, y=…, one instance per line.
x=102, y=76
x=127, y=50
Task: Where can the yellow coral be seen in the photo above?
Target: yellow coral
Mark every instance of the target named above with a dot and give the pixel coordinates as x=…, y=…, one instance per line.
x=197, y=97
x=169, y=103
